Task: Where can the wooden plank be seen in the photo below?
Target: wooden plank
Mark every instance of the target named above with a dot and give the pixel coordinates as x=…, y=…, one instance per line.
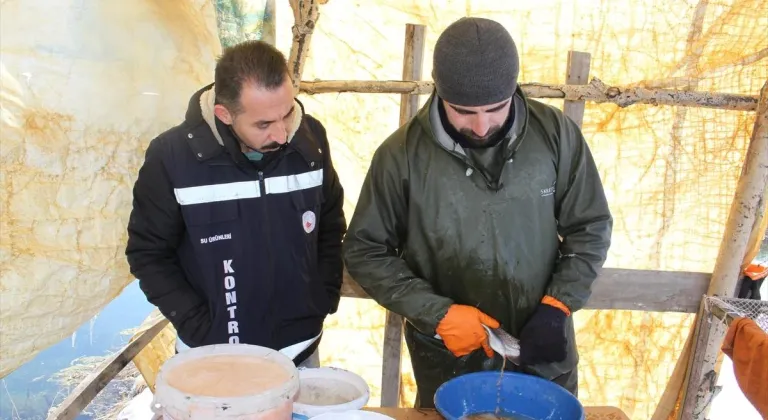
x=87, y=390
x=391, y=367
x=592, y=413
x=577, y=74
x=648, y=290
x=617, y=288
x=742, y=221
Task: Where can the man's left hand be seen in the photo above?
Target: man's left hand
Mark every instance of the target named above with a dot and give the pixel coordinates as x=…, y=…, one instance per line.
x=543, y=339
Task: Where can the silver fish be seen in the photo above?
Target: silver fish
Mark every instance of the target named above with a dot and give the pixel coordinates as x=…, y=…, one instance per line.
x=504, y=344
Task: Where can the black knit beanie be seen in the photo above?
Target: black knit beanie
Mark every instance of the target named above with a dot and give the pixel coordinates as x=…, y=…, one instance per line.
x=475, y=63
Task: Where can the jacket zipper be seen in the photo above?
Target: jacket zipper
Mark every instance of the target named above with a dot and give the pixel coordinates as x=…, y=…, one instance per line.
x=273, y=164
x=467, y=161
x=262, y=186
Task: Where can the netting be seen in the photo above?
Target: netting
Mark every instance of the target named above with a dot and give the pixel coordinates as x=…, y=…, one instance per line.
x=730, y=308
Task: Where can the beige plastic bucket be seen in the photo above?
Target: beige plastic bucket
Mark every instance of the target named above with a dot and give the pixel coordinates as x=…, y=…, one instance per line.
x=273, y=403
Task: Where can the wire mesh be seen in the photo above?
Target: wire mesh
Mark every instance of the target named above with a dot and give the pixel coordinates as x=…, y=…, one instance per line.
x=731, y=308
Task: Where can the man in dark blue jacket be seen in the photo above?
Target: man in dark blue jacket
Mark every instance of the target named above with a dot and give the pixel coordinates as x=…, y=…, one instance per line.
x=237, y=221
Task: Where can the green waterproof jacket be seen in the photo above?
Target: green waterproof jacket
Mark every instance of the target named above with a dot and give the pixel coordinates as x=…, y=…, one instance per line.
x=431, y=228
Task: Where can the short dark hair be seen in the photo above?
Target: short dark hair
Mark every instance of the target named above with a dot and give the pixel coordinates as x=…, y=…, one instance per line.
x=250, y=61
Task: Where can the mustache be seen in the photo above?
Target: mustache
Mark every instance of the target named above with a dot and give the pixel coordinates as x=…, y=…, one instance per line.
x=273, y=147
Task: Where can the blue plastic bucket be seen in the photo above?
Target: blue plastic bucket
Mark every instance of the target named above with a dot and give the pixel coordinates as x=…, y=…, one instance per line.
x=521, y=395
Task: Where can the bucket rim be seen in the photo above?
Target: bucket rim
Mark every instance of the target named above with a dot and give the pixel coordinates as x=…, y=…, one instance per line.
x=354, y=379
x=166, y=394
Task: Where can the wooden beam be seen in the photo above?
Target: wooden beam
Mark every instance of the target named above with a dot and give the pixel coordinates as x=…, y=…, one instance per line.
x=305, y=15
x=701, y=377
x=391, y=363
x=87, y=390
x=742, y=220
x=577, y=74
x=595, y=91
x=648, y=290
x=618, y=288
x=391, y=367
x=413, y=64
x=745, y=207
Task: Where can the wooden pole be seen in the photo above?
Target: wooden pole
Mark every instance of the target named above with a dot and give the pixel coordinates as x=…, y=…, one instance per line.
x=595, y=91
x=87, y=390
x=750, y=193
x=305, y=15
x=577, y=74
x=391, y=369
x=391, y=366
x=413, y=64
x=742, y=220
x=700, y=378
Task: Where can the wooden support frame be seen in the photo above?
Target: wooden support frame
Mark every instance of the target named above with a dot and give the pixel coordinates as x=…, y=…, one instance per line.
x=87, y=390
x=305, y=15
x=391, y=368
x=701, y=378
x=742, y=220
x=577, y=74
x=644, y=290
x=595, y=91
x=623, y=289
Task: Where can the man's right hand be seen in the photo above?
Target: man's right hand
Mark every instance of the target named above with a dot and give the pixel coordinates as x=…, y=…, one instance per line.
x=462, y=330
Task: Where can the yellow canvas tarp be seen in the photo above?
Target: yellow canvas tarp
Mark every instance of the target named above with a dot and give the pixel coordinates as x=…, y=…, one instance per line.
x=84, y=88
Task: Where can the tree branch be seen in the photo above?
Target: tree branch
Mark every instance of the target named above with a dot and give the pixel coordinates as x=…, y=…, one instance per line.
x=595, y=91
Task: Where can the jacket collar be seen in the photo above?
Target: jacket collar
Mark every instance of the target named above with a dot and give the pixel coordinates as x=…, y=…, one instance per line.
x=209, y=136
x=429, y=118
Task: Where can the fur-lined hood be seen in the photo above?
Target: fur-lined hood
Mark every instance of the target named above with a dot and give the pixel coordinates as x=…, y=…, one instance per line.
x=201, y=109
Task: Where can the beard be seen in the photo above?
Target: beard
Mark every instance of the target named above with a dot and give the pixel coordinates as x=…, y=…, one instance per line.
x=480, y=140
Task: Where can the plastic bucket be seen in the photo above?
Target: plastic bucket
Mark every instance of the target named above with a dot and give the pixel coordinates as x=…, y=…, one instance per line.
x=186, y=388
x=514, y=394
x=328, y=390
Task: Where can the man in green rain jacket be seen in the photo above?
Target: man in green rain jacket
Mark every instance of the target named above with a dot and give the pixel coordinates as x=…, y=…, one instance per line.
x=485, y=209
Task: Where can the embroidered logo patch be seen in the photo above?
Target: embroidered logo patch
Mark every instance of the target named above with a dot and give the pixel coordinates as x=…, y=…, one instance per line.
x=308, y=221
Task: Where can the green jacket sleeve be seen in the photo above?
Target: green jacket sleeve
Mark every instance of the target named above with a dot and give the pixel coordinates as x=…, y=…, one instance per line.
x=374, y=242
x=584, y=220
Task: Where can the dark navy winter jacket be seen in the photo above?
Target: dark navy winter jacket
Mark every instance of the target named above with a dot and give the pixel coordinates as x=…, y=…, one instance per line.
x=235, y=251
